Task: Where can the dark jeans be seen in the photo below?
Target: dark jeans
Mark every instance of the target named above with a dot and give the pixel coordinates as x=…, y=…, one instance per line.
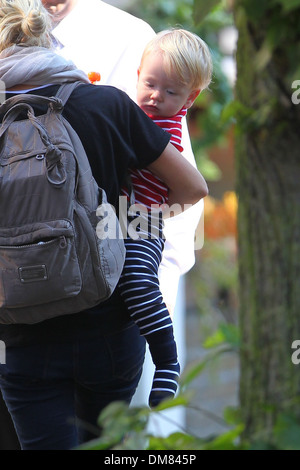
x=55, y=392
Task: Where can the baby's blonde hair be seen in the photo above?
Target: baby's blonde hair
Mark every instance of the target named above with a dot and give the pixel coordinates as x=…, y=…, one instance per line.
x=24, y=22
x=185, y=54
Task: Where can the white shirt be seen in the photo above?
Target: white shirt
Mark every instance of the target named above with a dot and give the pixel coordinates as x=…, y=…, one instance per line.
x=101, y=38
x=98, y=37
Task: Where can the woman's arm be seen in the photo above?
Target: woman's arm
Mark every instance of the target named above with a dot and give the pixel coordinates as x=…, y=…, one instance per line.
x=186, y=184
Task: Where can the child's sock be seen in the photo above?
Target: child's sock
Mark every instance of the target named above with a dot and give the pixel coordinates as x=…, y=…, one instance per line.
x=163, y=350
x=165, y=383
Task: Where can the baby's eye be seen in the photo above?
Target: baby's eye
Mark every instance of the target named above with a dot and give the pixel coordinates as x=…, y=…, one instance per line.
x=171, y=92
x=149, y=84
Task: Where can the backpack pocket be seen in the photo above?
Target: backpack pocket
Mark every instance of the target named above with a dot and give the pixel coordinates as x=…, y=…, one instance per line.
x=38, y=264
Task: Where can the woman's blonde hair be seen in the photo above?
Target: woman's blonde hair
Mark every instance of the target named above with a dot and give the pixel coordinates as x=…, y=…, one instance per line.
x=24, y=22
x=185, y=54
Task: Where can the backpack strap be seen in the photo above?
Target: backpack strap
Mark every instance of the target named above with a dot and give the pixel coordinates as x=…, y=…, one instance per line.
x=56, y=102
x=11, y=115
x=65, y=91
x=30, y=99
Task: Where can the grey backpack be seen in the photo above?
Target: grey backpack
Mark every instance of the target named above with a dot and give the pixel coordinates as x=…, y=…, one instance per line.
x=56, y=254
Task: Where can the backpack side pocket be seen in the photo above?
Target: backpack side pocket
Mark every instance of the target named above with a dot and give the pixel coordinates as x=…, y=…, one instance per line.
x=39, y=264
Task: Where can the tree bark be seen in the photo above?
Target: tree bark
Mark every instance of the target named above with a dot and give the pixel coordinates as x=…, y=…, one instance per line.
x=268, y=189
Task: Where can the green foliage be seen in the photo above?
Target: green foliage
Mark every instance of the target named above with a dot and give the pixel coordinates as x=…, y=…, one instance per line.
x=179, y=441
x=277, y=46
x=289, y=5
x=213, y=280
x=280, y=20
x=246, y=118
x=257, y=9
x=162, y=14
x=226, y=334
x=202, y=9
x=126, y=429
x=117, y=421
x=210, y=105
x=287, y=433
x=225, y=339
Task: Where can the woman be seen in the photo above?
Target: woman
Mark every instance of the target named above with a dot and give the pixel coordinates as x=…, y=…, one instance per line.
x=60, y=373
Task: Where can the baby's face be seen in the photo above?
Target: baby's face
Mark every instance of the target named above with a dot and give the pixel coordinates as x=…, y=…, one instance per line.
x=157, y=93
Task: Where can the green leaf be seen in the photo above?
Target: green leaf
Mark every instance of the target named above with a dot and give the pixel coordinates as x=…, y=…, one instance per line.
x=289, y=5
x=176, y=441
x=98, y=444
x=214, y=340
x=232, y=415
x=192, y=372
x=227, y=333
x=179, y=400
x=237, y=111
x=287, y=432
x=208, y=168
x=202, y=9
x=255, y=9
x=226, y=441
x=231, y=335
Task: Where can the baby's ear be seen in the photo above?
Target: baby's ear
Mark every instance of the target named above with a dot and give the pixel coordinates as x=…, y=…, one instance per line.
x=191, y=98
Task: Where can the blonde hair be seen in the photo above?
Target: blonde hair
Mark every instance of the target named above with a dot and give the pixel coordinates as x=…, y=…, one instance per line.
x=24, y=22
x=185, y=54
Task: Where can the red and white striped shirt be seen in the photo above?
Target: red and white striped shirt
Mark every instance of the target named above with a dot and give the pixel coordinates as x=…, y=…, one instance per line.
x=149, y=189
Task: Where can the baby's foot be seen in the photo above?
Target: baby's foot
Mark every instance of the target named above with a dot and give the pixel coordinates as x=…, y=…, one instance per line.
x=165, y=383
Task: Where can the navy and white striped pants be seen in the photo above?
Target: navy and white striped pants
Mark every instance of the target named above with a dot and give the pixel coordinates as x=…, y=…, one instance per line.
x=140, y=290
x=139, y=285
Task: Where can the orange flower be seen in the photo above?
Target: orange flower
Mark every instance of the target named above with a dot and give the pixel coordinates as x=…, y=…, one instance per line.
x=220, y=216
x=94, y=77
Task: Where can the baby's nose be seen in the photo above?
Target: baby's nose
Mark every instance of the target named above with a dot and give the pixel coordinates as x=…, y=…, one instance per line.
x=156, y=95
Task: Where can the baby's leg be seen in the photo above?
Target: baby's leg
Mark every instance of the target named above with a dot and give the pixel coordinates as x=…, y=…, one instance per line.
x=139, y=287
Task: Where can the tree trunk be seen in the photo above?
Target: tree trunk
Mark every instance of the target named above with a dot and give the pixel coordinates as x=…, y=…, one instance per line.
x=268, y=189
